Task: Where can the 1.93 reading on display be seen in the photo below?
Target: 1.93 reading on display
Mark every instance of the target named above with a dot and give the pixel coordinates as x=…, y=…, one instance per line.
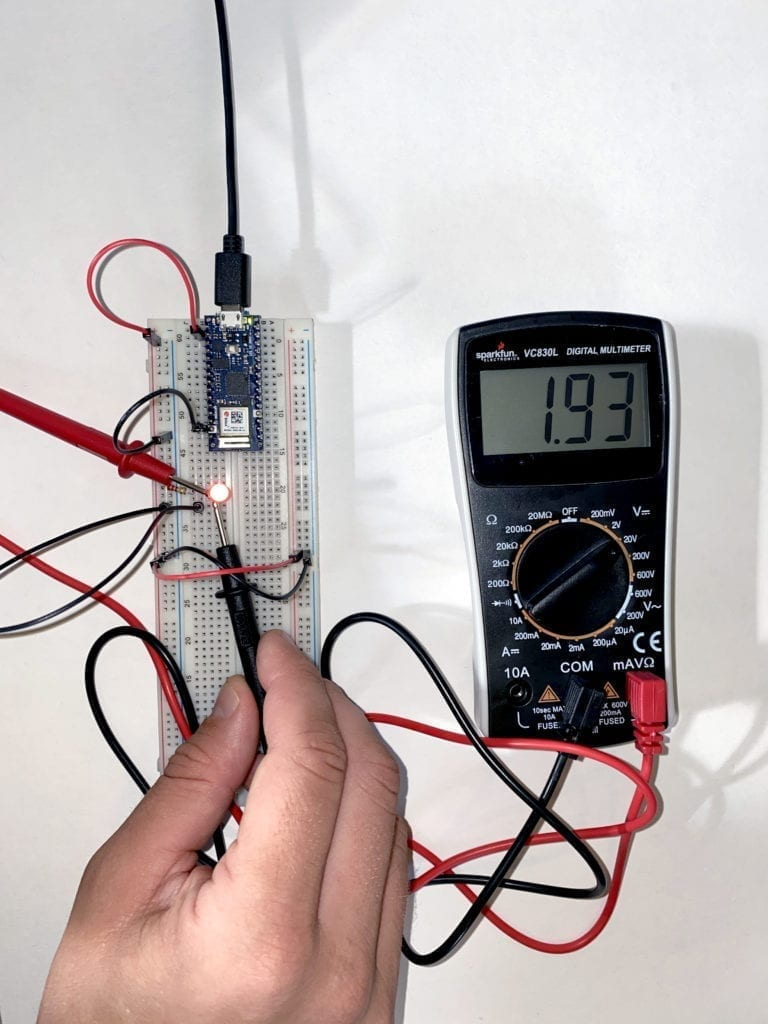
x=585, y=407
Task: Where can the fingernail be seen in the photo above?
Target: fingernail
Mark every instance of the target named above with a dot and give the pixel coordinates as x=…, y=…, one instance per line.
x=227, y=701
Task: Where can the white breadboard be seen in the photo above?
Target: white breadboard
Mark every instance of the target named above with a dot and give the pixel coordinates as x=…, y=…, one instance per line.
x=271, y=515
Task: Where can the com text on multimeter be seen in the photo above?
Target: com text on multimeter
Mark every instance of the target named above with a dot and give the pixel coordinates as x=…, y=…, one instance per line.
x=563, y=432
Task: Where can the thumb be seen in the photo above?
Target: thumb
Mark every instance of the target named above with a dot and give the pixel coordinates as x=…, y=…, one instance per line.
x=188, y=802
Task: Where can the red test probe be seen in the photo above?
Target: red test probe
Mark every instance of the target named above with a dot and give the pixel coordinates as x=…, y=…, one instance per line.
x=94, y=441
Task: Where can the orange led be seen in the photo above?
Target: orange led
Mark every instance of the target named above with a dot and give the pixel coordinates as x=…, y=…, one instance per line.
x=219, y=493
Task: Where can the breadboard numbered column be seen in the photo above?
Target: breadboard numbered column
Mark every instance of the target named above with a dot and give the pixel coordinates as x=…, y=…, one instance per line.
x=270, y=469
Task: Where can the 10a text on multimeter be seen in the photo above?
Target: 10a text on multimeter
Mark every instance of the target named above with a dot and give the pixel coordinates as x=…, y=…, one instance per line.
x=563, y=432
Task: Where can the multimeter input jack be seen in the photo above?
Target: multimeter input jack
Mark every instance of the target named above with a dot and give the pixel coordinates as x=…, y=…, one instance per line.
x=519, y=694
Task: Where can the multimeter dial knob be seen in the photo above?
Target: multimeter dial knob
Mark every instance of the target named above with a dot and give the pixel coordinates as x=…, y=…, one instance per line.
x=572, y=579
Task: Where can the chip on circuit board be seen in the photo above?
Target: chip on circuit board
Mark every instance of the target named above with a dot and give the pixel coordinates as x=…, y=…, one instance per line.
x=234, y=384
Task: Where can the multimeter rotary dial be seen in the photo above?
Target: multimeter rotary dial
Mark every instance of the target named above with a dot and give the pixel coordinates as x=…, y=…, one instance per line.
x=572, y=578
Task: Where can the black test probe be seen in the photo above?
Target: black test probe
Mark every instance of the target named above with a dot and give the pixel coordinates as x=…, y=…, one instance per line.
x=242, y=617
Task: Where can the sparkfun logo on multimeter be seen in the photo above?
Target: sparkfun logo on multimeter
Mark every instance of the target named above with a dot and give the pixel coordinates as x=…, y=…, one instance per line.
x=497, y=355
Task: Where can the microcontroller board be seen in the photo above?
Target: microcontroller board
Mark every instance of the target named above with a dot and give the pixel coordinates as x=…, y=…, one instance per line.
x=233, y=350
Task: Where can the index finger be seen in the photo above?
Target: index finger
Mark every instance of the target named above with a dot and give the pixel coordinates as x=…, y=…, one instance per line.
x=294, y=799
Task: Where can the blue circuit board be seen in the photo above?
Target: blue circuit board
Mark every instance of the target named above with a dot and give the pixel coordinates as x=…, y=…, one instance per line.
x=234, y=384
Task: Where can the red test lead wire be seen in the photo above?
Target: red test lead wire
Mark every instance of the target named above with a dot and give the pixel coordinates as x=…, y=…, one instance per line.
x=647, y=694
x=635, y=776
x=119, y=609
x=91, y=440
x=620, y=863
x=648, y=701
x=648, y=705
x=162, y=672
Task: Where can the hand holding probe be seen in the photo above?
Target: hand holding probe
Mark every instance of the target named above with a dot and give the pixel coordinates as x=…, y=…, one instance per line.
x=242, y=617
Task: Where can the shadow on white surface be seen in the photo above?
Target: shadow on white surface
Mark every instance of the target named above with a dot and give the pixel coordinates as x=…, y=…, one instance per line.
x=721, y=662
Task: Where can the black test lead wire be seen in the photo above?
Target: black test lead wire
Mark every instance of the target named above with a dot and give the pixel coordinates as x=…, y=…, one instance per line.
x=135, y=552
x=112, y=741
x=242, y=617
x=538, y=805
x=97, y=524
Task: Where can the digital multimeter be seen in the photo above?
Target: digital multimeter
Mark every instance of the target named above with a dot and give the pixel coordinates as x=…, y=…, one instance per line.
x=563, y=432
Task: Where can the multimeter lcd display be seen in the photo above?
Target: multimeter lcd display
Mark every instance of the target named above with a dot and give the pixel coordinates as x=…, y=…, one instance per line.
x=564, y=408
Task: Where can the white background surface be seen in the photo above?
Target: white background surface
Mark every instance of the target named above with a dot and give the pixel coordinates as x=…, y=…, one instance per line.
x=452, y=163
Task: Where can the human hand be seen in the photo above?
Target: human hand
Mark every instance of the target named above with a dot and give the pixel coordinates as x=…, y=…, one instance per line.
x=302, y=919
